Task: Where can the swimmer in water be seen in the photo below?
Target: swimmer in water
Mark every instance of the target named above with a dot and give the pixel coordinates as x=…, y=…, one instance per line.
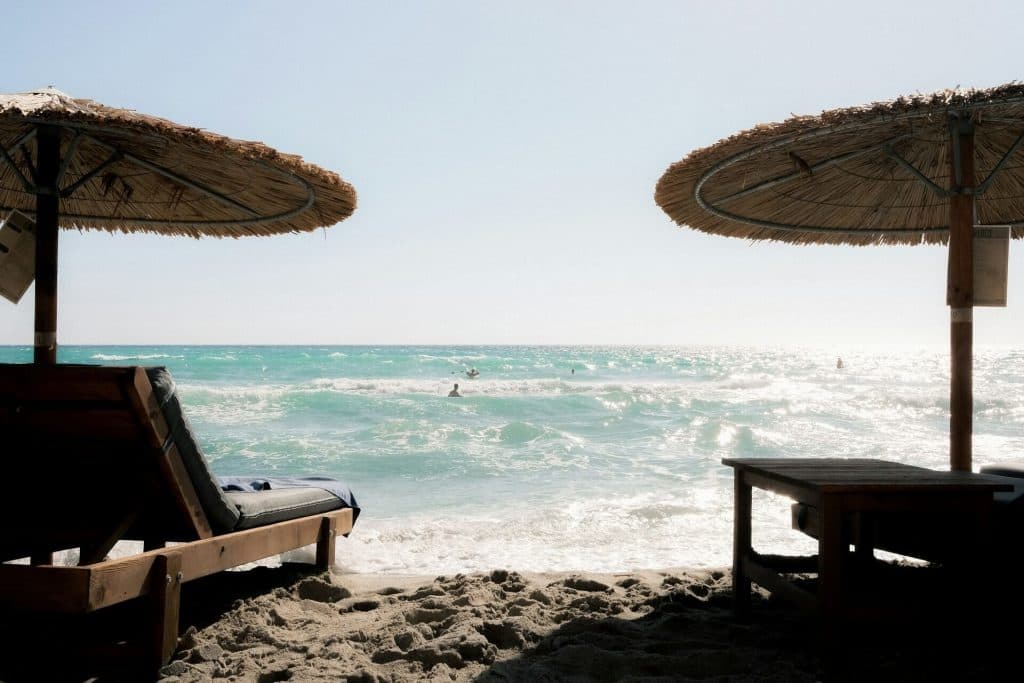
x=454, y=393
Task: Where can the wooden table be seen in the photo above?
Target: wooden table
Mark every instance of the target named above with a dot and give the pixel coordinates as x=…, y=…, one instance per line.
x=847, y=499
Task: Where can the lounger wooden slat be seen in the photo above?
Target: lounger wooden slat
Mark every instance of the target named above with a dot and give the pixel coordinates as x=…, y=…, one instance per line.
x=97, y=423
x=62, y=590
x=115, y=581
x=66, y=383
x=103, y=584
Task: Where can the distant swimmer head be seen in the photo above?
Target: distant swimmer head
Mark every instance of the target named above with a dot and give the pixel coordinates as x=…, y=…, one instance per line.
x=455, y=392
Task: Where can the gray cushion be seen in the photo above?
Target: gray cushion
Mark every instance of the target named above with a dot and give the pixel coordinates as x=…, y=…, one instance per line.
x=278, y=505
x=223, y=515
x=1015, y=497
x=1004, y=469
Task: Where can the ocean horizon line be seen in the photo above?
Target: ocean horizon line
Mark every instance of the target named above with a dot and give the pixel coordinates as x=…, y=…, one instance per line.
x=871, y=346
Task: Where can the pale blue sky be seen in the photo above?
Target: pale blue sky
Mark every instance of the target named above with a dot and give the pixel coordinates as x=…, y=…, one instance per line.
x=505, y=155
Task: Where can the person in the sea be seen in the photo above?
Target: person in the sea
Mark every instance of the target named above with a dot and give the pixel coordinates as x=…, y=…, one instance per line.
x=455, y=392
x=839, y=363
x=472, y=372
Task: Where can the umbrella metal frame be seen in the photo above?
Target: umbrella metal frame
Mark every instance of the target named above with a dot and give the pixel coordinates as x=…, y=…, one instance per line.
x=886, y=146
x=47, y=173
x=80, y=134
x=960, y=195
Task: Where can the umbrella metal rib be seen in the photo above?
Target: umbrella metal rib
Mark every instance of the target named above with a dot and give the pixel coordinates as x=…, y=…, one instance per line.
x=17, y=169
x=985, y=184
x=928, y=182
x=832, y=161
x=70, y=189
x=68, y=156
x=180, y=179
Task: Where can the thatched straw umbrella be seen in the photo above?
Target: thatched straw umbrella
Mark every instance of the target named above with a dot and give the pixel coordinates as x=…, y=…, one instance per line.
x=917, y=170
x=97, y=167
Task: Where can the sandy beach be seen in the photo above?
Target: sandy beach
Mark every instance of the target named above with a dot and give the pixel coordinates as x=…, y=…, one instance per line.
x=289, y=623
x=505, y=626
x=500, y=625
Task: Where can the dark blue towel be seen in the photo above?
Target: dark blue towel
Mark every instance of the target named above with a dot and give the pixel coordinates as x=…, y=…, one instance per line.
x=340, y=489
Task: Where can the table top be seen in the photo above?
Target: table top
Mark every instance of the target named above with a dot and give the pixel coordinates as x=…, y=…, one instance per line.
x=864, y=475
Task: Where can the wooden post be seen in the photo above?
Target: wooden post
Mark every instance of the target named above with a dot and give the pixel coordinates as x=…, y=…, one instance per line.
x=166, y=601
x=47, y=220
x=960, y=293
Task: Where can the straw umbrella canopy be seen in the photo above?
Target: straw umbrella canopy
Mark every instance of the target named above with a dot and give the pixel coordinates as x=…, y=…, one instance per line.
x=74, y=163
x=923, y=169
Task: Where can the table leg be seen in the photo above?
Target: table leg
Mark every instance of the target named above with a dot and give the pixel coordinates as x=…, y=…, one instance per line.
x=831, y=552
x=977, y=549
x=741, y=543
x=864, y=538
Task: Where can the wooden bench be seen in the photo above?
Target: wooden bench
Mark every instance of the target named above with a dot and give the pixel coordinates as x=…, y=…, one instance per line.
x=90, y=461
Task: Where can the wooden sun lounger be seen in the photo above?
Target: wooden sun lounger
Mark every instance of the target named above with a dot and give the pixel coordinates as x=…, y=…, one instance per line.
x=89, y=459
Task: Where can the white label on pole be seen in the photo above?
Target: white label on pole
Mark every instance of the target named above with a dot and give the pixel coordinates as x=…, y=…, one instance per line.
x=46, y=340
x=961, y=315
x=17, y=255
x=991, y=258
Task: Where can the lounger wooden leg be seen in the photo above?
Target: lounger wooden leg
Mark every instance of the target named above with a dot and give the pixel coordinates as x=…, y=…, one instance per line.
x=166, y=597
x=100, y=546
x=325, y=544
x=41, y=558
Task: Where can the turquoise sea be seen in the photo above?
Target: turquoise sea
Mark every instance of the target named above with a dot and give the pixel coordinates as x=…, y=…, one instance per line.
x=561, y=458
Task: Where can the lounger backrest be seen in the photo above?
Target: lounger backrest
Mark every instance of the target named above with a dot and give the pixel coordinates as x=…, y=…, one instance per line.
x=223, y=515
x=92, y=454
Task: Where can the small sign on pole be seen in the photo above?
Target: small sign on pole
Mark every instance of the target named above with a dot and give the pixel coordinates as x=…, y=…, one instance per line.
x=991, y=258
x=17, y=255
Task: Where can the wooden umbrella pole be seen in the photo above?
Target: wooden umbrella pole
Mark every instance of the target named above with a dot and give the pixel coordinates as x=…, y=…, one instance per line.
x=960, y=292
x=47, y=219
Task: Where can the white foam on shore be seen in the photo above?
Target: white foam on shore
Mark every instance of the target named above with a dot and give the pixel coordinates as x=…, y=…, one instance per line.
x=117, y=357
x=690, y=528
